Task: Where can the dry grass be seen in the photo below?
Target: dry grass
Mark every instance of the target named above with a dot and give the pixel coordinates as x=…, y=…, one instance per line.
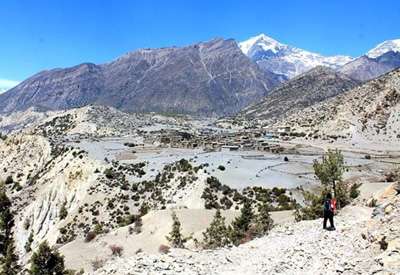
x=164, y=249
x=116, y=250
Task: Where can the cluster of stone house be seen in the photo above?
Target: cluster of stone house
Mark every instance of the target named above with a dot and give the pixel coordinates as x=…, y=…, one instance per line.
x=225, y=141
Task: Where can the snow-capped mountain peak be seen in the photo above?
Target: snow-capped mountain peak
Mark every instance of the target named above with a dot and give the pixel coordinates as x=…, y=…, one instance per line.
x=286, y=60
x=384, y=47
x=261, y=41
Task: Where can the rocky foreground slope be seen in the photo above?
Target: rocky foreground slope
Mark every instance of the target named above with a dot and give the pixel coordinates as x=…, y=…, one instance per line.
x=209, y=78
x=367, y=241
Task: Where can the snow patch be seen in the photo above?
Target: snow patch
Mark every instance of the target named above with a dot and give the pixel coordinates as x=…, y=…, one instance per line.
x=384, y=47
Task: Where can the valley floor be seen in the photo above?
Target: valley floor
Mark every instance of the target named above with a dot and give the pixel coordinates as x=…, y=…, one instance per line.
x=103, y=175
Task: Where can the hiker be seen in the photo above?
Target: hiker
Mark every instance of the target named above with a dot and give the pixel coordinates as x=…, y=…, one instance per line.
x=329, y=211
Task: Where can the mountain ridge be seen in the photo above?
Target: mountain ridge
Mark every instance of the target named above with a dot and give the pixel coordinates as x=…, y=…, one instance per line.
x=365, y=68
x=208, y=78
x=307, y=89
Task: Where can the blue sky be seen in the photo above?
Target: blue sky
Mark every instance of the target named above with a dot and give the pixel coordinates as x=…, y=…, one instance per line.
x=43, y=34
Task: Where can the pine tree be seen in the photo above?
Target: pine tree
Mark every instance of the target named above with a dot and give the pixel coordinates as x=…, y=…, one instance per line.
x=241, y=224
x=10, y=261
x=216, y=235
x=47, y=261
x=63, y=210
x=246, y=216
x=175, y=236
x=331, y=169
x=6, y=220
x=263, y=221
x=298, y=216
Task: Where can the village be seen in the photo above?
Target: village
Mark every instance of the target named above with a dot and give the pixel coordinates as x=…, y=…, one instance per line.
x=212, y=140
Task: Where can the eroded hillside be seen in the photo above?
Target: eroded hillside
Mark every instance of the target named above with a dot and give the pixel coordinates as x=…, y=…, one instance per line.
x=370, y=112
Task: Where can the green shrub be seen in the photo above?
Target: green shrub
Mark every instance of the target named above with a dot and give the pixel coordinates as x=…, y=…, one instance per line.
x=98, y=229
x=29, y=242
x=342, y=195
x=278, y=191
x=9, y=263
x=184, y=165
x=63, y=210
x=226, y=202
x=27, y=223
x=17, y=187
x=263, y=221
x=144, y=209
x=129, y=219
x=214, y=183
x=109, y=173
x=46, y=261
x=354, y=192
x=9, y=180
x=313, y=208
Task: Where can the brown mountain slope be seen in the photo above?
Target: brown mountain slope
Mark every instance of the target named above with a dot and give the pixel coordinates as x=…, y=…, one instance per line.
x=210, y=78
x=368, y=112
x=300, y=92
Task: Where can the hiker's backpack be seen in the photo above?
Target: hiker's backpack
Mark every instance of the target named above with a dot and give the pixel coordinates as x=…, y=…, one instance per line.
x=333, y=205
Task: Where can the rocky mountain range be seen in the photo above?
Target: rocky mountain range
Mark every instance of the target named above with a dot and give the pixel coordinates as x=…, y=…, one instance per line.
x=211, y=78
x=303, y=91
x=371, y=66
x=215, y=78
x=290, y=61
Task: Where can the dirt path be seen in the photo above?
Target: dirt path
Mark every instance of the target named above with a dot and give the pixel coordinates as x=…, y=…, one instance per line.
x=299, y=248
